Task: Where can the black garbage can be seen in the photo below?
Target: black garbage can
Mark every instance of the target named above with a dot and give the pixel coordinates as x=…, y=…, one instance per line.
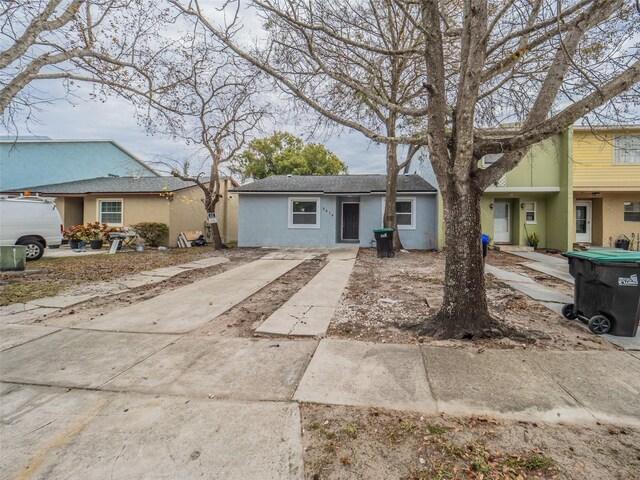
x=384, y=242
x=485, y=239
x=607, y=291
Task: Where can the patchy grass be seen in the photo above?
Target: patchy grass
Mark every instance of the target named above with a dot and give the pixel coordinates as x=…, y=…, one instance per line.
x=436, y=429
x=349, y=442
x=52, y=276
x=531, y=462
x=22, y=293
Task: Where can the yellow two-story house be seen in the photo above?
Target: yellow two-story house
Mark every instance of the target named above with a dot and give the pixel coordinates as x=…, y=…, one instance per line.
x=606, y=184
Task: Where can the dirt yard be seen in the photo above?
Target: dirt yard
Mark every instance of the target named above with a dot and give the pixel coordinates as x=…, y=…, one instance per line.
x=52, y=276
x=349, y=442
x=385, y=294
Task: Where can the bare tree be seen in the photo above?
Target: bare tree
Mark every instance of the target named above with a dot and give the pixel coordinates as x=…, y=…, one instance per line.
x=115, y=45
x=541, y=65
x=216, y=109
x=356, y=82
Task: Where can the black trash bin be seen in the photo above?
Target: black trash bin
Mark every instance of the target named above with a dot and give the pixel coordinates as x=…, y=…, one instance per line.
x=607, y=293
x=384, y=242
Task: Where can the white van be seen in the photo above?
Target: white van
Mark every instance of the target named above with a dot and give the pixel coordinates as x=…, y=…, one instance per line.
x=31, y=221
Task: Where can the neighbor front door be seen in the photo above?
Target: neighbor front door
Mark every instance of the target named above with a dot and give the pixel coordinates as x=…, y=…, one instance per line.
x=583, y=221
x=350, y=221
x=501, y=222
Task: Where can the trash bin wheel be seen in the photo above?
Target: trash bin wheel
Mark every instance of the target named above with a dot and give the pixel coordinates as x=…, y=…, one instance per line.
x=568, y=311
x=599, y=324
x=392, y=254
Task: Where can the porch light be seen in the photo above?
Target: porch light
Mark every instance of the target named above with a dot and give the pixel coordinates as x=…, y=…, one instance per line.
x=522, y=206
x=491, y=206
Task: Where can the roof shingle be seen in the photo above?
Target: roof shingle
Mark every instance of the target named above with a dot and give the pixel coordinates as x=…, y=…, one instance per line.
x=114, y=185
x=335, y=184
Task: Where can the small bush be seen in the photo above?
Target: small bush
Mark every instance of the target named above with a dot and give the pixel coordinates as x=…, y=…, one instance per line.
x=153, y=233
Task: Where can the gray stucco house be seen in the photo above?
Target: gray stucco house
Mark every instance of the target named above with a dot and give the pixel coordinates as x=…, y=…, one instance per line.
x=333, y=210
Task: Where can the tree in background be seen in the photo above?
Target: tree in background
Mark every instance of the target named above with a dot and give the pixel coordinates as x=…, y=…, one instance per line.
x=283, y=153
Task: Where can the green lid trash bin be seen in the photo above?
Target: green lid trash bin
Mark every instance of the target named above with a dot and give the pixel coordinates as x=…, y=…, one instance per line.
x=384, y=242
x=607, y=291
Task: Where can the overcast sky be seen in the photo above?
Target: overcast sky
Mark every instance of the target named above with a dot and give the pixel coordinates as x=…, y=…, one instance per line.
x=115, y=119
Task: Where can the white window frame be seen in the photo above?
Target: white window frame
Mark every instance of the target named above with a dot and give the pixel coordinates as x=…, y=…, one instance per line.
x=99, y=208
x=413, y=213
x=624, y=211
x=626, y=155
x=304, y=199
x=535, y=213
x=497, y=155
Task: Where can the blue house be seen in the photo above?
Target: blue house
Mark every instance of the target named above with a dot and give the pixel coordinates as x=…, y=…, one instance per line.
x=27, y=161
x=333, y=210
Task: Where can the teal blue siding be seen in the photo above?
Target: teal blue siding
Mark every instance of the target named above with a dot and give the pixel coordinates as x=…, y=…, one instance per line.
x=25, y=163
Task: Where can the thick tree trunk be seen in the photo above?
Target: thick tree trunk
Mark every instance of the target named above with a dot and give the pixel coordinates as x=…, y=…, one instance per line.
x=464, y=312
x=389, y=218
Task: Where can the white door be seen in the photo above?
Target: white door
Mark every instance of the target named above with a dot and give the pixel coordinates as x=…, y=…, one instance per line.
x=583, y=222
x=501, y=222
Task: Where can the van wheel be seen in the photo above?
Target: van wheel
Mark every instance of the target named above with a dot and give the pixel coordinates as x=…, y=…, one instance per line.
x=35, y=249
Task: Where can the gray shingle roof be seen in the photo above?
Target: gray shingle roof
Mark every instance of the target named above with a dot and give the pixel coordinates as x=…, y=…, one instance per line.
x=335, y=184
x=114, y=185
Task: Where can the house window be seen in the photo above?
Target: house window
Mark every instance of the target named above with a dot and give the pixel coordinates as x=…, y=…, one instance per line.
x=490, y=159
x=304, y=213
x=405, y=213
x=626, y=149
x=632, y=211
x=530, y=215
x=110, y=211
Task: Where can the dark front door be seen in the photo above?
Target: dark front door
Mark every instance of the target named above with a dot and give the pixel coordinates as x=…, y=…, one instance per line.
x=350, y=221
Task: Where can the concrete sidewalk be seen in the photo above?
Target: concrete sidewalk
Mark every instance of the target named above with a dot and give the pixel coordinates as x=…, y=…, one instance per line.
x=547, y=264
x=51, y=433
x=309, y=312
x=551, y=386
x=548, y=297
x=94, y=404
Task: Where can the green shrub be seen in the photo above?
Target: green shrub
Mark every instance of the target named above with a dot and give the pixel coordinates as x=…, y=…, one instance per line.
x=153, y=233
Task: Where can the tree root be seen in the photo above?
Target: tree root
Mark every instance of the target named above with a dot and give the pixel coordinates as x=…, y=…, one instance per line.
x=487, y=328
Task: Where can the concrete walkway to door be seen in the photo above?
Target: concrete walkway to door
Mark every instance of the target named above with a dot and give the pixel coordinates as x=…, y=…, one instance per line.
x=309, y=312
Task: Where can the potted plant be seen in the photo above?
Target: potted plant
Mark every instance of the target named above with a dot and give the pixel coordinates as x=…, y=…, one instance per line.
x=75, y=235
x=533, y=240
x=623, y=242
x=95, y=234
